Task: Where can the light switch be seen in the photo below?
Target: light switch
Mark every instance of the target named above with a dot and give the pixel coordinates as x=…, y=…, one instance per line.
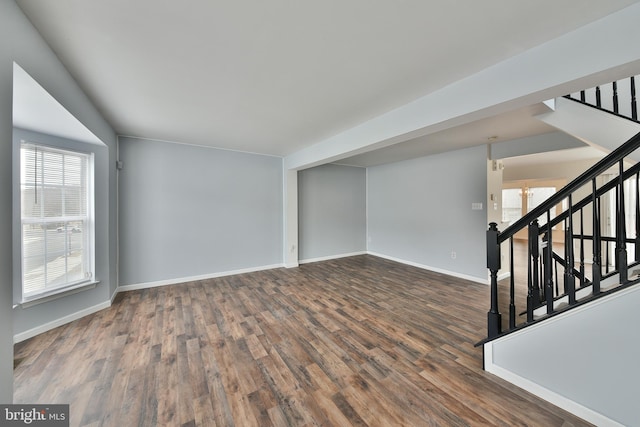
x=476, y=206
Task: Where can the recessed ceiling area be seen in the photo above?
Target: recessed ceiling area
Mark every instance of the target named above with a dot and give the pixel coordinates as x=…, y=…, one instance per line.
x=505, y=127
x=276, y=77
x=553, y=157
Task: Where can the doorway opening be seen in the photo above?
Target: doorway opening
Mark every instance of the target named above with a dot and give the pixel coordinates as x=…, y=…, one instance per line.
x=521, y=197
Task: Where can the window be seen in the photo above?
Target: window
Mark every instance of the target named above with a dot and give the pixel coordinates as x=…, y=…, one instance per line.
x=521, y=197
x=57, y=220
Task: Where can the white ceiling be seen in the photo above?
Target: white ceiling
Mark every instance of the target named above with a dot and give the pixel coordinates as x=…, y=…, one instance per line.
x=276, y=76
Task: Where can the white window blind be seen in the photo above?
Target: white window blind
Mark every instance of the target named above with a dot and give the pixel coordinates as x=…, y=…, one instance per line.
x=57, y=224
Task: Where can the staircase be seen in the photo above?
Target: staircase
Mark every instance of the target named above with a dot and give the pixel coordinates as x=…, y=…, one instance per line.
x=556, y=274
x=596, y=124
x=590, y=236
x=583, y=246
x=617, y=98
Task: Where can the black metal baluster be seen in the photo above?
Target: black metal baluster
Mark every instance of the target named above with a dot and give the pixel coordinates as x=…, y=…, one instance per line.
x=617, y=232
x=569, y=277
x=634, y=105
x=541, y=269
x=548, y=260
x=621, y=238
x=512, y=289
x=598, y=97
x=596, y=270
x=533, y=288
x=567, y=238
x=583, y=279
x=494, y=319
x=615, y=97
x=637, y=241
x=583, y=96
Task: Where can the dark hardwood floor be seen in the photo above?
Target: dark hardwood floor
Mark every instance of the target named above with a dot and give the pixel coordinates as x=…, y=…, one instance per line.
x=359, y=341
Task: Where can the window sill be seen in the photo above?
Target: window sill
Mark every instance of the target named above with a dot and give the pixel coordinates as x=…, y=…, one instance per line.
x=55, y=294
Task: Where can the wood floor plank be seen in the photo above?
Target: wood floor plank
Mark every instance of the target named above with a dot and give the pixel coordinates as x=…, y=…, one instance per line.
x=358, y=341
x=78, y=399
x=219, y=398
x=203, y=412
x=186, y=386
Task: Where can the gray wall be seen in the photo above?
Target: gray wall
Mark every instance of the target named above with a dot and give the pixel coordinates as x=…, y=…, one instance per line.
x=34, y=316
x=332, y=217
x=190, y=211
x=6, y=125
x=21, y=43
x=590, y=355
x=420, y=211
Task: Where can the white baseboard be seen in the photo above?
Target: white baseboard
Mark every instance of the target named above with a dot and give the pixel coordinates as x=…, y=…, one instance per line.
x=123, y=288
x=145, y=285
x=552, y=397
x=330, y=257
x=502, y=276
x=434, y=269
x=22, y=336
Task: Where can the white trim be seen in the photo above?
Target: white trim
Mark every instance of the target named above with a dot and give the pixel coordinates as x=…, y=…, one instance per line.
x=434, y=269
x=79, y=314
x=180, y=280
x=330, y=257
x=59, y=322
x=168, y=141
x=54, y=294
x=544, y=393
x=292, y=265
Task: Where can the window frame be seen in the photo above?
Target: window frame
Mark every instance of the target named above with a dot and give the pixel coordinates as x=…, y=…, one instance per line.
x=88, y=229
